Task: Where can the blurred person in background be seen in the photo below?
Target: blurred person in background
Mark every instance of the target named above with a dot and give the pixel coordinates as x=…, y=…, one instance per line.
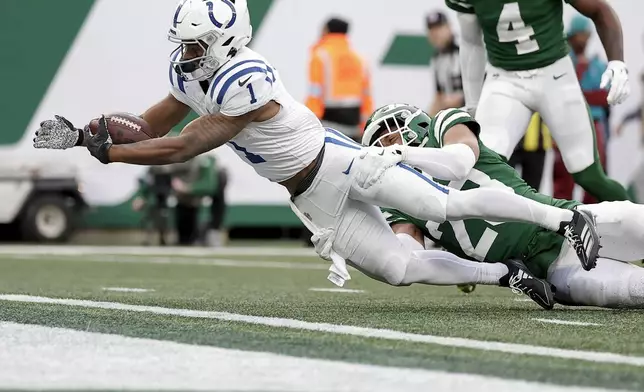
x=193, y=181
x=213, y=234
x=446, y=63
x=530, y=153
x=155, y=190
x=589, y=69
x=339, y=82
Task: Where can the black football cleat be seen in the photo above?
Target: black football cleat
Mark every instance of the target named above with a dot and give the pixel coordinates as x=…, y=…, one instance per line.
x=521, y=281
x=581, y=234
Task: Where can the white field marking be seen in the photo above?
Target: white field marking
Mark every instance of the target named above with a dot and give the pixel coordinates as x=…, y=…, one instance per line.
x=565, y=322
x=338, y=290
x=176, y=260
x=127, y=290
x=522, y=300
x=37, y=357
x=72, y=250
x=512, y=348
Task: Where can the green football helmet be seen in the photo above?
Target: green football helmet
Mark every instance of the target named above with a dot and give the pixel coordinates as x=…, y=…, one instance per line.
x=409, y=121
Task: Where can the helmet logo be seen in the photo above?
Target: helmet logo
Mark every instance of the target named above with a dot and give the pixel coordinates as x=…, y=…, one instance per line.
x=214, y=20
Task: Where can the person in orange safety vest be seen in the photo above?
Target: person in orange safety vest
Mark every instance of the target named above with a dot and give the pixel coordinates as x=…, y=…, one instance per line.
x=339, y=85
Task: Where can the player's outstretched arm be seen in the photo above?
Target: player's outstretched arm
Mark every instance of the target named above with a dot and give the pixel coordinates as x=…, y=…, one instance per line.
x=472, y=57
x=452, y=162
x=201, y=135
x=455, y=132
x=60, y=133
x=609, y=30
x=165, y=115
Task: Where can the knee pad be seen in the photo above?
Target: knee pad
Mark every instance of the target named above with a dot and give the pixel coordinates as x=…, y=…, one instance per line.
x=394, y=268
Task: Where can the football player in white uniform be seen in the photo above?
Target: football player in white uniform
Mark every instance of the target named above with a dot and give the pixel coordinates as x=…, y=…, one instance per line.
x=334, y=184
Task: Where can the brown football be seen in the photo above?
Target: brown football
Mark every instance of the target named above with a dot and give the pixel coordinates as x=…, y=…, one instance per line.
x=125, y=128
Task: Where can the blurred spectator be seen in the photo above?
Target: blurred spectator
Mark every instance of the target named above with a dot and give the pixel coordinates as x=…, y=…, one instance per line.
x=213, y=234
x=339, y=82
x=192, y=181
x=530, y=153
x=589, y=72
x=447, y=66
x=155, y=189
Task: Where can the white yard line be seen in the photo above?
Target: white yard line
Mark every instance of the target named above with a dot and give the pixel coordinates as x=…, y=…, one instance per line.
x=70, y=250
x=176, y=260
x=36, y=357
x=591, y=356
x=338, y=290
x=127, y=290
x=566, y=322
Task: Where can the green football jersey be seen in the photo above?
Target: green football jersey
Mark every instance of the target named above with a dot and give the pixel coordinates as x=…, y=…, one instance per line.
x=476, y=239
x=519, y=34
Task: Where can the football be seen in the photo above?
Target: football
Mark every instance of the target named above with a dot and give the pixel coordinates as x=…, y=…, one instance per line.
x=125, y=128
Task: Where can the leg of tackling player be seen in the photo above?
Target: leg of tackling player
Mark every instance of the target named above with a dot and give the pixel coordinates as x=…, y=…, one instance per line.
x=620, y=225
x=612, y=284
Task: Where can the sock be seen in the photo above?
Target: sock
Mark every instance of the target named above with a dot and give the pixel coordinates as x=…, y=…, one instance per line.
x=437, y=267
x=502, y=206
x=594, y=181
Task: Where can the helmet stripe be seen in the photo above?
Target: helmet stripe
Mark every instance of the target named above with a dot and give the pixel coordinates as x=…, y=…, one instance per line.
x=175, y=21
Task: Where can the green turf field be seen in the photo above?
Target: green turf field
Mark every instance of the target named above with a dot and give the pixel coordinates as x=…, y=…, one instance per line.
x=264, y=302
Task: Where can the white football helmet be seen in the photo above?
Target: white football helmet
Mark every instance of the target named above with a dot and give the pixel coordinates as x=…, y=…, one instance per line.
x=220, y=27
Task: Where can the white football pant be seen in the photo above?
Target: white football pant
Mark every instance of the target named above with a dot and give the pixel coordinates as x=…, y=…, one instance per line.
x=509, y=98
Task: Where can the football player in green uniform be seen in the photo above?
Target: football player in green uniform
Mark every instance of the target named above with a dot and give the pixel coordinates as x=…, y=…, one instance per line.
x=393, y=129
x=530, y=71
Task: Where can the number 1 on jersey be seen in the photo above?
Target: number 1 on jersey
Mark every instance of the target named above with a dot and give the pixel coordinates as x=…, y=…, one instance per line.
x=511, y=28
x=249, y=86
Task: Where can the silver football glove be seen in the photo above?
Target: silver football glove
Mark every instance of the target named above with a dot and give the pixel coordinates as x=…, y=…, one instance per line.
x=58, y=134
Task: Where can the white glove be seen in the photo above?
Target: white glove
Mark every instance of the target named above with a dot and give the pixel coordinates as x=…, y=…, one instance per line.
x=373, y=161
x=617, y=76
x=58, y=134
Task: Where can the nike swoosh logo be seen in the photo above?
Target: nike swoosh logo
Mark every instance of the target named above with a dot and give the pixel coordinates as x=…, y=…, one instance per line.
x=557, y=77
x=349, y=168
x=382, y=152
x=242, y=83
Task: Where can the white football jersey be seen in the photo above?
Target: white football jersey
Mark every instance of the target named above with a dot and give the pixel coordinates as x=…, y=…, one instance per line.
x=278, y=148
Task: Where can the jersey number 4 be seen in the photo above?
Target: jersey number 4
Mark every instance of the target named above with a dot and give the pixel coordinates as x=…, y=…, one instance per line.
x=511, y=28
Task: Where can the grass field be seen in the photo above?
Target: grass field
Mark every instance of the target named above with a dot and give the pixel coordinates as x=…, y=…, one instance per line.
x=178, y=307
